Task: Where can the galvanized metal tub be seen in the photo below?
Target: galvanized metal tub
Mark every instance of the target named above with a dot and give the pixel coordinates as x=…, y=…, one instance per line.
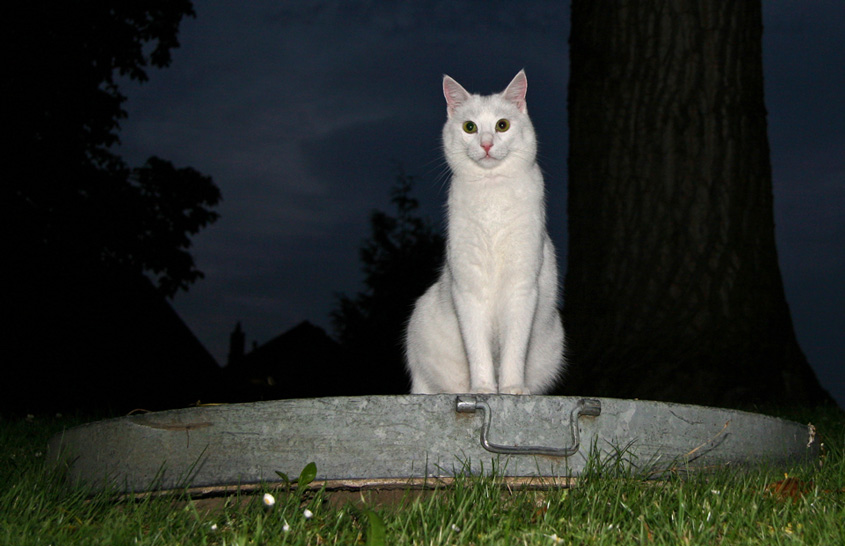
x=414, y=439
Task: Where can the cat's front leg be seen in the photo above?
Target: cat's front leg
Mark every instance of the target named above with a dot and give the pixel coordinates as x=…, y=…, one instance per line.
x=476, y=330
x=516, y=327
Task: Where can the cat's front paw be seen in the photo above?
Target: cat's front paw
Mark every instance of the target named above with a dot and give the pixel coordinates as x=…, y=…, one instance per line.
x=514, y=390
x=484, y=389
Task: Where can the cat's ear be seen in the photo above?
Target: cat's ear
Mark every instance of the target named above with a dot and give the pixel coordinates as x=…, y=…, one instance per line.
x=454, y=93
x=516, y=91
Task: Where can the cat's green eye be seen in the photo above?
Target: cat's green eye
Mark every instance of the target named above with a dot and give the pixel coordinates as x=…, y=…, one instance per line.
x=503, y=125
x=470, y=127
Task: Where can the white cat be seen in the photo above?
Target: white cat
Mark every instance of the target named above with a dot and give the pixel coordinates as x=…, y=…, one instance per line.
x=490, y=323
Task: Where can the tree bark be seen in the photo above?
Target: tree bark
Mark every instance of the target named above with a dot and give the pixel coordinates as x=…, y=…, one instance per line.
x=673, y=290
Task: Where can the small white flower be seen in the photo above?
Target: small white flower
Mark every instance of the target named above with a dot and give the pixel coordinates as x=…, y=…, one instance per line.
x=286, y=527
x=269, y=500
x=715, y=491
x=213, y=526
x=308, y=513
x=456, y=528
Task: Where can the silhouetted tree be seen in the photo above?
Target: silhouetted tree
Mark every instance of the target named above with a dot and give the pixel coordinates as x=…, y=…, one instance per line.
x=400, y=261
x=673, y=289
x=84, y=326
x=65, y=191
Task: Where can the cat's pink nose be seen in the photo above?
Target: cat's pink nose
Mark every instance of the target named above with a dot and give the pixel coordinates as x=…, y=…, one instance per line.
x=487, y=146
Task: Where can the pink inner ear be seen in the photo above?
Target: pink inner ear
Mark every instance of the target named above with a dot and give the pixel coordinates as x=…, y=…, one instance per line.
x=454, y=93
x=516, y=90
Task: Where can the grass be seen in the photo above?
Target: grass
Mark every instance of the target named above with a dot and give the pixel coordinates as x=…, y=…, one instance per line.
x=606, y=507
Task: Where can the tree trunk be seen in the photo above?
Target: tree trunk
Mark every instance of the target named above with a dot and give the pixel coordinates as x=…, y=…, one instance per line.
x=673, y=290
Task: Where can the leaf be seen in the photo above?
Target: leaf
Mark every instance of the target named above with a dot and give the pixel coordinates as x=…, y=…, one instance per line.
x=307, y=475
x=284, y=477
x=789, y=488
x=375, y=529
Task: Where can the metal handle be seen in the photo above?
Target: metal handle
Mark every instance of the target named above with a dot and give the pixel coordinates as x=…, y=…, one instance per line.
x=584, y=406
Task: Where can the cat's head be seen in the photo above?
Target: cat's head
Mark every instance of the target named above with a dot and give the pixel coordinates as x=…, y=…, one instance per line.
x=488, y=132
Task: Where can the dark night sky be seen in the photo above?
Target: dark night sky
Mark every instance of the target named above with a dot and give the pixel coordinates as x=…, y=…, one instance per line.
x=301, y=112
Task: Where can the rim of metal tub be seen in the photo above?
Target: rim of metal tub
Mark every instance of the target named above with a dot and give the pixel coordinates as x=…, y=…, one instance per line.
x=418, y=441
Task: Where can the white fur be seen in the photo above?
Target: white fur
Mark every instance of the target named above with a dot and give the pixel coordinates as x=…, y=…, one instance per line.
x=490, y=323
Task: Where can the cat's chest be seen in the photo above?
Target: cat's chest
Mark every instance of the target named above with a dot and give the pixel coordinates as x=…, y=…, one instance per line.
x=494, y=208
x=493, y=226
